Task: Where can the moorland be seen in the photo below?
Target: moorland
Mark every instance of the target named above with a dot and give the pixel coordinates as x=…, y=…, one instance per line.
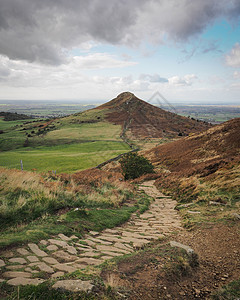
x=71, y=229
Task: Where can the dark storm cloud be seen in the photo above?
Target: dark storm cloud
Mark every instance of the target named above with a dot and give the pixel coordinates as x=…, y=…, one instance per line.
x=45, y=30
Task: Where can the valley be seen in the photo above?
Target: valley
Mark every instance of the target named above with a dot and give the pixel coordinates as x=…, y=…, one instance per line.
x=75, y=230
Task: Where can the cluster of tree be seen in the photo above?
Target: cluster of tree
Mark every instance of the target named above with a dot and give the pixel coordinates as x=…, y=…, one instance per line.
x=134, y=165
x=8, y=116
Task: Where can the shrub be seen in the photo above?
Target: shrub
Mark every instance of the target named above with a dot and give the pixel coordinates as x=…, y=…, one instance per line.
x=134, y=165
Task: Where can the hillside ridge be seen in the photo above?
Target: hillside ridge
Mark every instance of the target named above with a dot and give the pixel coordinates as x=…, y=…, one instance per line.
x=144, y=120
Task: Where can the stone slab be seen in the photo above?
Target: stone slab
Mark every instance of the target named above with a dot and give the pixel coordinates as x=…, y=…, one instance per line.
x=64, y=237
x=109, y=248
x=45, y=268
x=18, y=260
x=94, y=233
x=62, y=244
x=50, y=260
x=71, y=250
x=122, y=246
x=97, y=240
x=52, y=247
x=90, y=261
x=23, y=251
x=14, y=274
x=57, y=274
x=15, y=267
x=112, y=254
x=110, y=238
x=2, y=263
x=113, y=231
x=43, y=242
x=24, y=281
x=90, y=254
x=32, y=258
x=65, y=268
x=35, y=249
x=64, y=256
x=74, y=285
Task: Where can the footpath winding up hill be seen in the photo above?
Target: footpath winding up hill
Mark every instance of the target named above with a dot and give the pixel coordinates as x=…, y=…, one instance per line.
x=92, y=235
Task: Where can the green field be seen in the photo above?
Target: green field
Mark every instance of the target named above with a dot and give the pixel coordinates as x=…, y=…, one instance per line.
x=63, y=158
x=67, y=144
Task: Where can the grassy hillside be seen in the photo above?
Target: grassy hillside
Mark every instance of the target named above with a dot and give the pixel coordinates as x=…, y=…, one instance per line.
x=67, y=144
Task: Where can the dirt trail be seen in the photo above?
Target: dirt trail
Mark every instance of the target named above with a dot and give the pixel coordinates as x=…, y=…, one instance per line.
x=59, y=255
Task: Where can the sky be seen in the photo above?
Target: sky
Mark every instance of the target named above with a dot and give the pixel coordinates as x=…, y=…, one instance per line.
x=188, y=50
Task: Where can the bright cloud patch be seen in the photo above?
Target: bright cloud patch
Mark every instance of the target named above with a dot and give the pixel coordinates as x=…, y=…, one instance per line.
x=233, y=58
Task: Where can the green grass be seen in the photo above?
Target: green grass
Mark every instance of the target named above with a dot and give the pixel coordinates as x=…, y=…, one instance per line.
x=228, y=292
x=6, y=125
x=73, y=222
x=92, y=131
x=63, y=158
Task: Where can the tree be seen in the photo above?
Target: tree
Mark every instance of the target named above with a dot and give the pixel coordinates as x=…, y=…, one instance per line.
x=134, y=165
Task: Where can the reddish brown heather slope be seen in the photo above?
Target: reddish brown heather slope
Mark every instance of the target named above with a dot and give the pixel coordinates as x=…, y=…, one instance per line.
x=146, y=120
x=203, y=166
x=218, y=145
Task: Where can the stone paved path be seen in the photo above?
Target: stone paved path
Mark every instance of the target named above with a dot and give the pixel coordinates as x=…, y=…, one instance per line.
x=59, y=255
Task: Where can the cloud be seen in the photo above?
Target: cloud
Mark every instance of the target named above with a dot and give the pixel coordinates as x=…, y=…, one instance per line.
x=100, y=61
x=233, y=58
x=153, y=78
x=186, y=80
x=236, y=75
x=46, y=31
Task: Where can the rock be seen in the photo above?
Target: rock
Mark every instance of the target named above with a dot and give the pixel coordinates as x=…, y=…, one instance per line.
x=90, y=243
x=71, y=249
x=23, y=251
x=236, y=216
x=65, y=268
x=58, y=243
x=50, y=260
x=112, y=254
x=18, y=260
x=110, y=248
x=15, y=267
x=7, y=254
x=215, y=203
x=2, y=263
x=100, y=241
x=64, y=237
x=44, y=267
x=74, y=285
x=57, y=274
x=90, y=261
x=90, y=254
x=193, y=257
x=32, y=258
x=35, y=249
x=94, y=233
x=184, y=205
x=43, y=242
x=25, y=281
x=52, y=247
x=73, y=237
x=113, y=231
x=110, y=238
x=12, y=274
x=64, y=256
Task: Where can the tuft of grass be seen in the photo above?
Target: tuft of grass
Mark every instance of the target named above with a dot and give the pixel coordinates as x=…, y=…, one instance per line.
x=228, y=292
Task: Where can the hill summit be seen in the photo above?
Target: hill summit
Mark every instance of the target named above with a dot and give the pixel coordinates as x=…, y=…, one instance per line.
x=144, y=120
